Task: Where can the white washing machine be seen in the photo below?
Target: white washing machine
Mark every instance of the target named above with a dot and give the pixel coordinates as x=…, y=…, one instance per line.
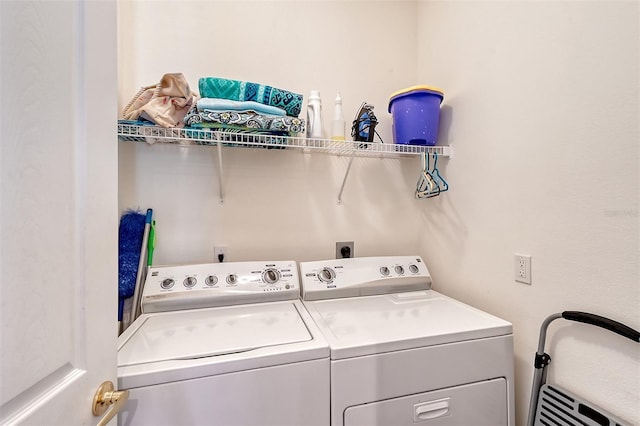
x=403, y=354
x=224, y=344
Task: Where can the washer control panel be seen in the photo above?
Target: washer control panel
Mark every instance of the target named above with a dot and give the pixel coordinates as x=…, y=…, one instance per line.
x=169, y=288
x=363, y=276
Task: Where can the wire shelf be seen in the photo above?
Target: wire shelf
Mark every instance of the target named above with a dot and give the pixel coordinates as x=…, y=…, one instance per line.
x=192, y=136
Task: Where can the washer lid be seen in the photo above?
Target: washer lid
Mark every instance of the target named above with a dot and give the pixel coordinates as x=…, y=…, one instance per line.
x=186, y=335
x=361, y=326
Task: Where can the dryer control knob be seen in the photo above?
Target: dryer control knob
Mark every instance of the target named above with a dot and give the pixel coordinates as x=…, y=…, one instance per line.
x=211, y=280
x=413, y=268
x=326, y=275
x=399, y=270
x=190, y=282
x=271, y=276
x=384, y=271
x=232, y=279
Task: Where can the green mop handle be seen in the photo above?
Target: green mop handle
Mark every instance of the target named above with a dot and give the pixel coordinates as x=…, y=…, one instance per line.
x=151, y=243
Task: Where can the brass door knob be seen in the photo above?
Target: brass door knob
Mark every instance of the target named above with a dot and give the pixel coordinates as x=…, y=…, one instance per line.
x=108, y=398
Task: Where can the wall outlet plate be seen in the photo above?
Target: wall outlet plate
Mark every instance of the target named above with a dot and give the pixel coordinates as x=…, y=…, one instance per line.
x=522, y=268
x=344, y=249
x=220, y=251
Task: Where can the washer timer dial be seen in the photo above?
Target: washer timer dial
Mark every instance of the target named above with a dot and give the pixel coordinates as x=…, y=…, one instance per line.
x=271, y=276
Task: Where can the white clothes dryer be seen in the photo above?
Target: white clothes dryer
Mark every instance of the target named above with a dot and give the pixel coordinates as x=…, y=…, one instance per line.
x=224, y=344
x=403, y=354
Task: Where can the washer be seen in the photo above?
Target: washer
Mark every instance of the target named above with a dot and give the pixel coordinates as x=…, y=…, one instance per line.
x=403, y=354
x=224, y=344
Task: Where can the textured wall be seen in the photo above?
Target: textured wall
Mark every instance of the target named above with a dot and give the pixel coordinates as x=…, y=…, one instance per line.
x=542, y=110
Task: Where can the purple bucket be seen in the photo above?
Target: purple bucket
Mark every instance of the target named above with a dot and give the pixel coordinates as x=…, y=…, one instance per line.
x=415, y=112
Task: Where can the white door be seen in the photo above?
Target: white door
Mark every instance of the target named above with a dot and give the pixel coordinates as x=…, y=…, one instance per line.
x=58, y=216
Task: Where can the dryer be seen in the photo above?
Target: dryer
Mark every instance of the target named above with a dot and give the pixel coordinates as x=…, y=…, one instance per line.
x=403, y=354
x=224, y=344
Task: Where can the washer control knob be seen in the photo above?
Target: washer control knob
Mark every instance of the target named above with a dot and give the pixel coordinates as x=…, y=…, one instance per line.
x=413, y=268
x=326, y=275
x=211, y=280
x=384, y=271
x=232, y=279
x=271, y=276
x=190, y=282
x=399, y=270
x=167, y=283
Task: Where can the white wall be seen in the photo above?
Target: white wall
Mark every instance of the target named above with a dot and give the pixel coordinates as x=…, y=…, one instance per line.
x=543, y=105
x=277, y=204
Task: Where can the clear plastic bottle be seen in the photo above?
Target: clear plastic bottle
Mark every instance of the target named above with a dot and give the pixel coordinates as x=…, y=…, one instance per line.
x=314, y=115
x=338, y=123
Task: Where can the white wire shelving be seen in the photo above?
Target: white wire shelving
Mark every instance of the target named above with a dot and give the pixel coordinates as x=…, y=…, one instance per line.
x=192, y=136
x=206, y=137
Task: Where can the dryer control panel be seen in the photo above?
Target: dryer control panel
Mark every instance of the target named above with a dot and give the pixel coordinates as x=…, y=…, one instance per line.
x=363, y=276
x=170, y=288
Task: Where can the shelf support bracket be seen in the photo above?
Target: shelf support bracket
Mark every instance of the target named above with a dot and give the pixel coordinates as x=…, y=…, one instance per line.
x=344, y=181
x=220, y=185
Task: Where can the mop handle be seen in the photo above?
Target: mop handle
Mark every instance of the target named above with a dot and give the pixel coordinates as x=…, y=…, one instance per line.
x=137, y=293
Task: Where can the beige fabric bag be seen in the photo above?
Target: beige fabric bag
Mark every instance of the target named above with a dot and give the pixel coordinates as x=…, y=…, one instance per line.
x=165, y=103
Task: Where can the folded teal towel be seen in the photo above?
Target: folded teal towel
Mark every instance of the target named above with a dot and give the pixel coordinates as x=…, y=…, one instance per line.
x=247, y=120
x=215, y=87
x=216, y=104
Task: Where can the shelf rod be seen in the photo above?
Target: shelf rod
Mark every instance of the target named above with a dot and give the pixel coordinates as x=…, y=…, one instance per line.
x=344, y=181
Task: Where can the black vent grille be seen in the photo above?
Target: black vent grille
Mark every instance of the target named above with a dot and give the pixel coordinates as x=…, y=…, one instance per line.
x=557, y=407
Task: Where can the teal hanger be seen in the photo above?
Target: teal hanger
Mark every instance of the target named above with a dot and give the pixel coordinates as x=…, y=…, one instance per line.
x=444, y=186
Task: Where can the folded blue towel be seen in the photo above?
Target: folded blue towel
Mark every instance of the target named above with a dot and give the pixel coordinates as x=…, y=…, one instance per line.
x=215, y=104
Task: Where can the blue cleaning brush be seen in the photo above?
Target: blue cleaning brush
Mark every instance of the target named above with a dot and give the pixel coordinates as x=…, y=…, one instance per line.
x=130, y=237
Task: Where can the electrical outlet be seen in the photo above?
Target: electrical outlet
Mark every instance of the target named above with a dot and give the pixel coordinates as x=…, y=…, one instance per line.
x=344, y=249
x=220, y=251
x=522, y=268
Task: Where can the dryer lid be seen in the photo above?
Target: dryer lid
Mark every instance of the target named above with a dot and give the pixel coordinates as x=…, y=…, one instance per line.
x=201, y=333
x=370, y=325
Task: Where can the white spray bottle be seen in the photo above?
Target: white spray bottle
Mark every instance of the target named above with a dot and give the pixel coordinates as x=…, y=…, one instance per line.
x=338, y=123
